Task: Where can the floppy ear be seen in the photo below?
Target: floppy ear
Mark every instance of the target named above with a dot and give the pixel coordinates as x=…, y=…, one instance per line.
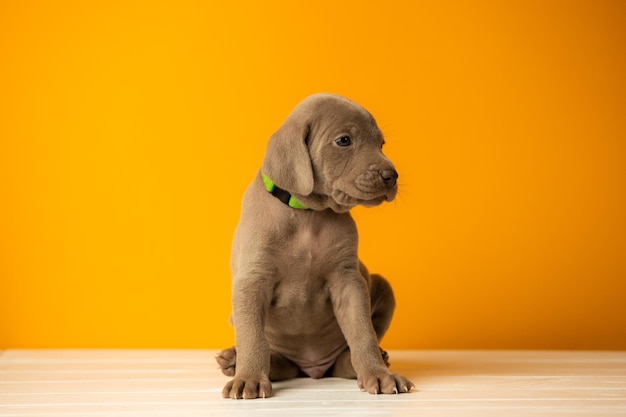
x=287, y=162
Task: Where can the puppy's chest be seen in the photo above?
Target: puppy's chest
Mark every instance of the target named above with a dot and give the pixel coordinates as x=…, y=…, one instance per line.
x=308, y=261
x=310, y=248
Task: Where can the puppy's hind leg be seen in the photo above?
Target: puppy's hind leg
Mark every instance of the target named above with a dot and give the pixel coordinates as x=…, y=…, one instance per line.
x=343, y=367
x=227, y=359
x=280, y=367
x=383, y=304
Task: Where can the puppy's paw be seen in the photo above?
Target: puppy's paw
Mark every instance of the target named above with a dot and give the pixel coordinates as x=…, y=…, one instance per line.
x=248, y=388
x=384, y=382
x=227, y=359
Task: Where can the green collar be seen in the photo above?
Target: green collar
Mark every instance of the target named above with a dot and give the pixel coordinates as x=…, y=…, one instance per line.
x=281, y=194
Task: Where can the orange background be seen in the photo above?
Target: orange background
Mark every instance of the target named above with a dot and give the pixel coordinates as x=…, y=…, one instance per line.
x=129, y=130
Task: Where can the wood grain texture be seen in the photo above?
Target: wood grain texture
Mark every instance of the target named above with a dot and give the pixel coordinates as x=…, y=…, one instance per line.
x=188, y=383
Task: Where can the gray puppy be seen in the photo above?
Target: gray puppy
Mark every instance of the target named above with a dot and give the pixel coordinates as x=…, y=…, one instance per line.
x=303, y=303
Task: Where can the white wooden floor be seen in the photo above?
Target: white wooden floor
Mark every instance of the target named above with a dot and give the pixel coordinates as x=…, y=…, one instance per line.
x=187, y=383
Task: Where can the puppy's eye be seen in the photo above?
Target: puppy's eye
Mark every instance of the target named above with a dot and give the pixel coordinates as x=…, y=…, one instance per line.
x=344, y=141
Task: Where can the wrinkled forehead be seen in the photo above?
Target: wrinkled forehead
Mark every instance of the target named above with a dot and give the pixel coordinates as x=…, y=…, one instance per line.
x=337, y=118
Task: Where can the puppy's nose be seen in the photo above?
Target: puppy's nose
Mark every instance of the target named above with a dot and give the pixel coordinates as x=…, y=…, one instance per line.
x=390, y=176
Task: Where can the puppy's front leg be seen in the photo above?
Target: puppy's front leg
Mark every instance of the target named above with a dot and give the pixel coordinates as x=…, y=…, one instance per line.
x=351, y=303
x=253, y=353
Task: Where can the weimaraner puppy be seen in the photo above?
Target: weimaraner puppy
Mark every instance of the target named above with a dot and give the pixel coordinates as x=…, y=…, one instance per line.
x=303, y=303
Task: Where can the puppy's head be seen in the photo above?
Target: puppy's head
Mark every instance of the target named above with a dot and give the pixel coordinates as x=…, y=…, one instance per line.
x=328, y=153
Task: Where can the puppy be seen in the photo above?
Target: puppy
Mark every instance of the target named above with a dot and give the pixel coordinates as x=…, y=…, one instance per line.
x=303, y=303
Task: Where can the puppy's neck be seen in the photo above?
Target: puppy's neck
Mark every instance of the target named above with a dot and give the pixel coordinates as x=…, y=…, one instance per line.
x=323, y=202
x=314, y=201
x=282, y=195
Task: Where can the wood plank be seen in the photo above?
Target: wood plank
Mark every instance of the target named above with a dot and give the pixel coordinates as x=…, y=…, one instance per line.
x=188, y=383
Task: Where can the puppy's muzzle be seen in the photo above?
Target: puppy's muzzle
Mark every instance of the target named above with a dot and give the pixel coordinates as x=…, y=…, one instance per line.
x=390, y=177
